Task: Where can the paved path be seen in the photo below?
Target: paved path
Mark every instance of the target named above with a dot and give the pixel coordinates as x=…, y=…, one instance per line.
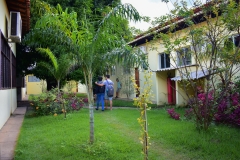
x=9, y=133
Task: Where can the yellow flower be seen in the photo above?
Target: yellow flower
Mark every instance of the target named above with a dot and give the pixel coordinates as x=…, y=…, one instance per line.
x=37, y=108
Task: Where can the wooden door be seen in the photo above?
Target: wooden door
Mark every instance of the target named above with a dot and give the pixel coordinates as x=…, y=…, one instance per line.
x=137, y=80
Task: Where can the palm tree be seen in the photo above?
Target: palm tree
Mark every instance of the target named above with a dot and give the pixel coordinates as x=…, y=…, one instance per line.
x=92, y=47
x=58, y=67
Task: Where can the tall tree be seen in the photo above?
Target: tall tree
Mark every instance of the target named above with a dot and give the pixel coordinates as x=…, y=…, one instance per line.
x=94, y=10
x=91, y=46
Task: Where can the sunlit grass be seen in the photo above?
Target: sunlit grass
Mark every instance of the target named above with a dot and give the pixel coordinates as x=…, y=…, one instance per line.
x=117, y=135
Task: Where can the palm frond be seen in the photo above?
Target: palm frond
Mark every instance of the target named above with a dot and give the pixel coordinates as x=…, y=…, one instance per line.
x=48, y=67
x=127, y=56
x=126, y=11
x=52, y=57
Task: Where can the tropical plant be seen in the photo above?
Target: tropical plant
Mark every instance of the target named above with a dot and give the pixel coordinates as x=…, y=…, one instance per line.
x=90, y=47
x=59, y=67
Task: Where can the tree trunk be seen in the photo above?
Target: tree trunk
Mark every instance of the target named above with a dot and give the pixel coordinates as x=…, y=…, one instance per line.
x=58, y=85
x=145, y=134
x=88, y=79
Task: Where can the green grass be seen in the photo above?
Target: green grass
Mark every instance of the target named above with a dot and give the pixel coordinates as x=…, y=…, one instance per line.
x=127, y=103
x=117, y=138
x=82, y=95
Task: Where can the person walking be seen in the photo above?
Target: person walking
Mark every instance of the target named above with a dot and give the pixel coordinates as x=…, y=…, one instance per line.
x=119, y=86
x=100, y=91
x=107, y=82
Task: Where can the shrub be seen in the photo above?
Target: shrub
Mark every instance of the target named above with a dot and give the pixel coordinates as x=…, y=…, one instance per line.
x=173, y=114
x=51, y=102
x=228, y=110
x=203, y=108
x=189, y=114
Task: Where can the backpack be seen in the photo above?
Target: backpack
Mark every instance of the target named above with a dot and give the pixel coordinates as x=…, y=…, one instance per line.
x=110, y=90
x=100, y=89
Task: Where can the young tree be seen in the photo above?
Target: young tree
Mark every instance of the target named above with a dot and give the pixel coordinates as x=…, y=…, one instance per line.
x=91, y=47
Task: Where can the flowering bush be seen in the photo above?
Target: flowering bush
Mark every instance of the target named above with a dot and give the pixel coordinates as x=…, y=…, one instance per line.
x=74, y=102
x=173, y=114
x=224, y=109
x=202, y=107
x=52, y=103
x=228, y=109
x=189, y=114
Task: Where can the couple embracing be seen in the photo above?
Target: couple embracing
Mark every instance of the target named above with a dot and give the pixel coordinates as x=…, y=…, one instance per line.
x=104, y=91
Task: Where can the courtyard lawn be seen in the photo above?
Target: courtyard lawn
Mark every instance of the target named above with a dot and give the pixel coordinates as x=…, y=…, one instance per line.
x=117, y=138
x=128, y=103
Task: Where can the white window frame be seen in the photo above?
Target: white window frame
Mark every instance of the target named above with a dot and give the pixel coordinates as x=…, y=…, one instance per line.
x=143, y=49
x=165, y=60
x=33, y=79
x=182, y=60
x=113, y=70
x=233, y=40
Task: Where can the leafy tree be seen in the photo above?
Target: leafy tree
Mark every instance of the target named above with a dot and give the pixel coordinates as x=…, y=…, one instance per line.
x=91, y=47
x=216, y=57
x=28, y=57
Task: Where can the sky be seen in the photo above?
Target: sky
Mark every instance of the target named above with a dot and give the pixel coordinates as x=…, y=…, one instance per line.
x=150, y=8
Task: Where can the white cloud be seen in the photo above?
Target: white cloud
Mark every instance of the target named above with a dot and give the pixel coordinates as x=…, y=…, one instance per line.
x=150, y=8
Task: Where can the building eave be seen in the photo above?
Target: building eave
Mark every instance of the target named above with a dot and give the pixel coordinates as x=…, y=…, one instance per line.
x=22, y=6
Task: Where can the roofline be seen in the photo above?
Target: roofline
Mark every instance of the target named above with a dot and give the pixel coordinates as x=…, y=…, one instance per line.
x=148, y=35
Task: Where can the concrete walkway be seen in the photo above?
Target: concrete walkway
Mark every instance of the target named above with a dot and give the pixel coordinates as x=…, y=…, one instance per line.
x=9, y=133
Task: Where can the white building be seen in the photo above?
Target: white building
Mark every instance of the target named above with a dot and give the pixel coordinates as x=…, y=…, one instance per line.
x=14, y=23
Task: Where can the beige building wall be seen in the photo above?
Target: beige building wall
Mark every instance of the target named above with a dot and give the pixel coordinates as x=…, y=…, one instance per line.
x=159, y=78
x=82, y=88
x=4, y=16
x=34, y=87
x=72, y=86
x=39, y=87
x=8, y=97
x=123, y=77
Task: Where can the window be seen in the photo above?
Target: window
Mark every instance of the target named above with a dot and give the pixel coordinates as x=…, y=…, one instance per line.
x=6, y=27
x=164, y=60
x=143, y=49
x=236, y=40
x=33, y=79
x=14, y=74
x=126, y=70
x=5, y=63
x=233, y=41
x=183, y=57
x=113, y=70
